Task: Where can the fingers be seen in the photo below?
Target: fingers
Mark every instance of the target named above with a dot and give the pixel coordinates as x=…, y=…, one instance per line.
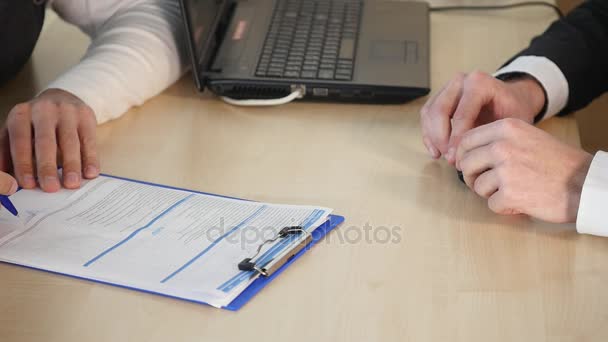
x=69, y=143
x=44, y=120
x=478, y=137
x=58, y=122
x=476, y=162
x=20, y=134
x=486, y=156
x=487, y=183
x=499, y=203
x=424, y=111
x=436, y=115
x=88, y=144
x=8, y=184
x=475, y=95
x=480, y=168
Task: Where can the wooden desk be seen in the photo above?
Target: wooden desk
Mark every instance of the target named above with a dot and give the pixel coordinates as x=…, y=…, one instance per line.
x=457, y=272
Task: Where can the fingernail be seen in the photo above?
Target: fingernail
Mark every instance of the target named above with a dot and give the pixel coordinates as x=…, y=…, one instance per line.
x=91, y=171
x=13, y=189
x=72, y=178
x=29, y=181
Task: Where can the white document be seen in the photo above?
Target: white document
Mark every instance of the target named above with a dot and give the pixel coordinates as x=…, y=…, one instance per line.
x=167, y=241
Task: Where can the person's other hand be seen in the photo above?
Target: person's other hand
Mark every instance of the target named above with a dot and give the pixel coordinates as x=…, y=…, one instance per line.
x=521, y=169
x=53, y=126
x=471, y=100
x=8, y=184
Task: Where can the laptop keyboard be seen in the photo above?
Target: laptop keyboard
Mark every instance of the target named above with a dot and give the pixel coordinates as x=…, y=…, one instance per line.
x=311, y=39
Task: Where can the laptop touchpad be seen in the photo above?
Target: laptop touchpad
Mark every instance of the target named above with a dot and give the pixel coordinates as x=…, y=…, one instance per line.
x=394, y=51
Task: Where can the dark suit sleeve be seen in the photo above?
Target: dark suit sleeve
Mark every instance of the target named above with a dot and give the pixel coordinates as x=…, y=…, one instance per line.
x=21, y=25
x=578, y=45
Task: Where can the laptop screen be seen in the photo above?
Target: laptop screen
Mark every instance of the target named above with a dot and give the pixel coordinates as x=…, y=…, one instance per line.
x=202, y=19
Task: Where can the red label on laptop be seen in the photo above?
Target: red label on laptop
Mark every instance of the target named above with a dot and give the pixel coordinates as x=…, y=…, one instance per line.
x=239, y=32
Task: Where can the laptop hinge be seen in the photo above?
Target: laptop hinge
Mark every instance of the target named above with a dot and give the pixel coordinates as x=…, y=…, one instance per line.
x=227, y=12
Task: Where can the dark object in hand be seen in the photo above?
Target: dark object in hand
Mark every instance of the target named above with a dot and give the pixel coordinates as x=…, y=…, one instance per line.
x=461, y=176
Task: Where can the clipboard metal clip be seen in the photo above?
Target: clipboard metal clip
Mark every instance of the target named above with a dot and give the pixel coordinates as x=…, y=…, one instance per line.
x=249, y=264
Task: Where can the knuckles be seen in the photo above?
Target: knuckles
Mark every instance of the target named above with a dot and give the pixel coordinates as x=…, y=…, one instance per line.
x=459, y=79
x=68, y=107
x=477, y=187
x=496, y=205
x=69, y=141
x=477, y=78
x=47, y=168
x=500, y=204
x=501, y=150
x=45, y=107
x=509, y=197
x=23, y=166
x=88, y=143
x=21, y=109
x=85, y=112
x=22, y=148
x=511, y=127
x=20, y=113
x=478, y=82
x=72, y=165
x=44, y=141
x=436, y=106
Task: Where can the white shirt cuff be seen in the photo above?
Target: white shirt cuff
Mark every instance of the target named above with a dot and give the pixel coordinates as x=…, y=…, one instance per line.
x=591, y=217
x=548, y=74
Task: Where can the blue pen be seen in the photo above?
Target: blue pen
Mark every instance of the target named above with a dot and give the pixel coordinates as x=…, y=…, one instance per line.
x=8, y=205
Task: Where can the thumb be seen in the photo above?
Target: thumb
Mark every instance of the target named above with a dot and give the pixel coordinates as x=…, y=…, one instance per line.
x=8, y=184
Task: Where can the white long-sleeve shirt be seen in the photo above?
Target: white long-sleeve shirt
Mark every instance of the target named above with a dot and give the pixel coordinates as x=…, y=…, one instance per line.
x=137, y=50
x=591, y=218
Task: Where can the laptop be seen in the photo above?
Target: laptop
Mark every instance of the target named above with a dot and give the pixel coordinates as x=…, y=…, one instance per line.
x=334, y=50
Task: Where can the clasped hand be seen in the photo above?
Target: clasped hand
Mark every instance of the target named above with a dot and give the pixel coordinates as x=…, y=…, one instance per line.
x=483, y=126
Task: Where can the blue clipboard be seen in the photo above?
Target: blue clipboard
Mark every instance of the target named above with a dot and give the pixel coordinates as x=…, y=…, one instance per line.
x=318, y=234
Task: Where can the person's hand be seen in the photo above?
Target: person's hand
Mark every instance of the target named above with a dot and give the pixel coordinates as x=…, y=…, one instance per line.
x=521, y=169
x=54, y=126
x=470, y=100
